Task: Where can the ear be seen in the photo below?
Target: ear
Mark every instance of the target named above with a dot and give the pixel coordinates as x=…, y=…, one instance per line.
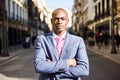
x=51, y=20
x=68, y=20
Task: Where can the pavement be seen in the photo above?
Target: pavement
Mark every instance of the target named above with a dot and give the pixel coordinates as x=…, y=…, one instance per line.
x=105, y=51
x=13, y=55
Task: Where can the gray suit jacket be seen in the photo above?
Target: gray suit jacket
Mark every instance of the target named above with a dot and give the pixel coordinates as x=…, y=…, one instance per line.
x=57, y=68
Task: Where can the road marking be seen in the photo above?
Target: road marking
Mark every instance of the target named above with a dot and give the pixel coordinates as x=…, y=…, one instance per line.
x=11, y=59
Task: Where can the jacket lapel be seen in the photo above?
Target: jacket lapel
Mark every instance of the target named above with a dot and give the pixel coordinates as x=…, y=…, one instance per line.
x=52, y=45
x=66, y=44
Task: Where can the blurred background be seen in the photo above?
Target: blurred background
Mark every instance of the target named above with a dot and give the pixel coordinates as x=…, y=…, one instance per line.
x=97, y=21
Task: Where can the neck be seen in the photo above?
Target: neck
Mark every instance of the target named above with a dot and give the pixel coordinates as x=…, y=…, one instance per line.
x=59, y=33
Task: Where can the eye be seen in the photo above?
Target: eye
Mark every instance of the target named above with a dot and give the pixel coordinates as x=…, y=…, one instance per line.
x=63, y=19
x=56, y=19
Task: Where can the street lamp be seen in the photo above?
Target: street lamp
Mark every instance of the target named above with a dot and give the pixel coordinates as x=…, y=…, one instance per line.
x=113, y=49
x=5, y=52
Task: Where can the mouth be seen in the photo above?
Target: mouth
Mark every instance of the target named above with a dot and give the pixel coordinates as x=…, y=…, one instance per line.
x=59, y=27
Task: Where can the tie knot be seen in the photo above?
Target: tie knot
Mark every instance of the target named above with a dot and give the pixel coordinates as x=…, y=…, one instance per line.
x=58, y=39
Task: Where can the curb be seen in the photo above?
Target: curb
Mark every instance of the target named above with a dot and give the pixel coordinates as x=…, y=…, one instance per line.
x=15, y=55
x=107, y=55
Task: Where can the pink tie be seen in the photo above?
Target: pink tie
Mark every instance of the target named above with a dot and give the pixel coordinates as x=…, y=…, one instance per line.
x=59, y=45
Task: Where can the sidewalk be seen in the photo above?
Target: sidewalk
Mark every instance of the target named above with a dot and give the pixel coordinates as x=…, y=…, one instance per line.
x=13, y=55
x=105, y=52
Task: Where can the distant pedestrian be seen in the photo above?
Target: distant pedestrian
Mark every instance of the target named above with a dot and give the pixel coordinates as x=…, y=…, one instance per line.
x=33, y=40
x=97, y=36
x=106, y=38
x=100, y=40
x=0, y=46
x=26, y=42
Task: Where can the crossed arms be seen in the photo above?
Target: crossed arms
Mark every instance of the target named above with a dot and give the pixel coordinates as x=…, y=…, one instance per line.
x=74, y=67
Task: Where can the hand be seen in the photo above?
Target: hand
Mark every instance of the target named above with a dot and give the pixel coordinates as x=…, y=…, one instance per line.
x=48, y=59
x=71, y=62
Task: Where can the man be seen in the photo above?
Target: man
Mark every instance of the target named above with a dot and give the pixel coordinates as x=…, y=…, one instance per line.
x=69, y=61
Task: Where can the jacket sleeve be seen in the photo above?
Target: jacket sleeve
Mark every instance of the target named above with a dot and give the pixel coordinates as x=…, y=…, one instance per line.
x=43, y=66
x=82, y=67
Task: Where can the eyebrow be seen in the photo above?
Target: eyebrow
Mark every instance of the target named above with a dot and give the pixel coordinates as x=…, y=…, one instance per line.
x=60, y=18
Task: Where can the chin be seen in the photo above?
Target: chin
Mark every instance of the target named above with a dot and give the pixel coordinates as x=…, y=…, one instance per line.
x=59, y=31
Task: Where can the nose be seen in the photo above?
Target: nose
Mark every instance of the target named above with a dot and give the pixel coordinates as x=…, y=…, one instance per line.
x=59, y=20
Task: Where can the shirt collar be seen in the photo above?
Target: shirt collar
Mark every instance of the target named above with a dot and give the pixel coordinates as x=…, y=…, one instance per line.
x=62, y=36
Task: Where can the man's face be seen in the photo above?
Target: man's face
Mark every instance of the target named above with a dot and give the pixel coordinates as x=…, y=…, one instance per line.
x=59, y=21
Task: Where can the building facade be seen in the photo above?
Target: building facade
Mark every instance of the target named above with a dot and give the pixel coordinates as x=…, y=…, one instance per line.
x=97, y=15
x=14, y=22
x=20, y=19
x=106, y=11
x=83, y=14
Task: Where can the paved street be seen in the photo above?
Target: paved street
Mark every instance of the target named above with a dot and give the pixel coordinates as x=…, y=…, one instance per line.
x=102, y=68
x=21, y=68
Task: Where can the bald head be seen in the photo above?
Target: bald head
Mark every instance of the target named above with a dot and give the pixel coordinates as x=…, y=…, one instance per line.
x=59, y=10
x=59, y=21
